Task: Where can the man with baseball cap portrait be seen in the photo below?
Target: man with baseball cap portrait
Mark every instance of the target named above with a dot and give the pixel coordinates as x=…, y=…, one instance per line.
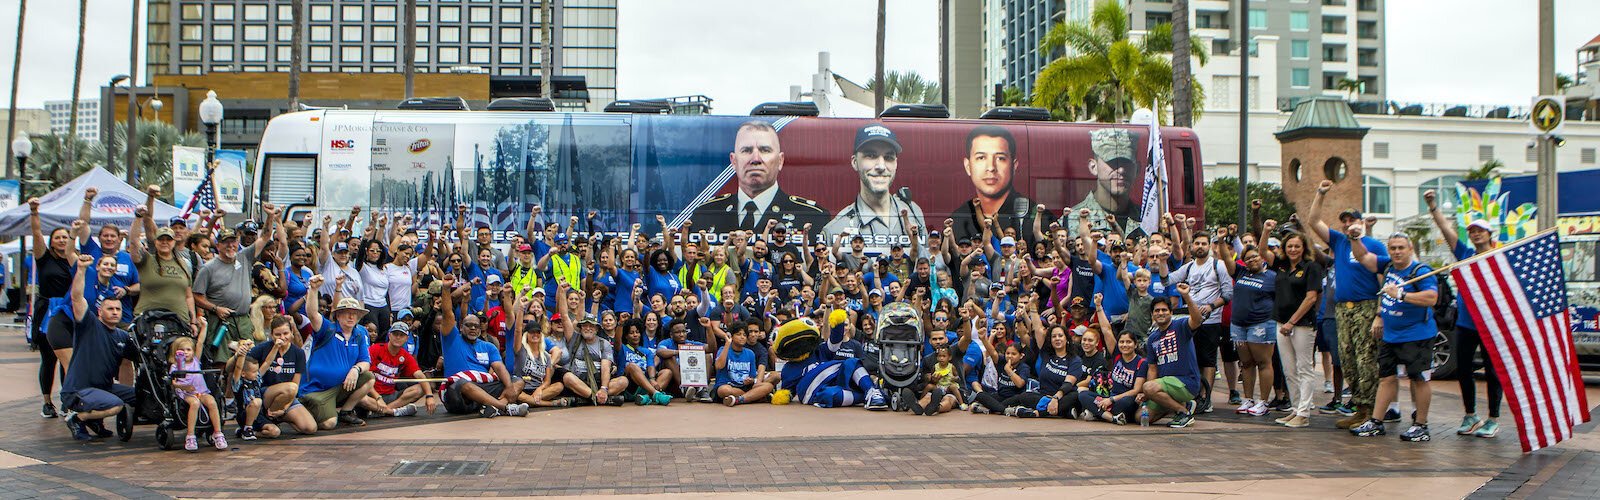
x=1114, y=167
x=876, y=213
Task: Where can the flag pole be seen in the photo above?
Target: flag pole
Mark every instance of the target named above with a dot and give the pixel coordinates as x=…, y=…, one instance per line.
x=1480, y=256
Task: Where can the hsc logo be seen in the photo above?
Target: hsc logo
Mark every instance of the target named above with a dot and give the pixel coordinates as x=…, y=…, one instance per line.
x=342, y=144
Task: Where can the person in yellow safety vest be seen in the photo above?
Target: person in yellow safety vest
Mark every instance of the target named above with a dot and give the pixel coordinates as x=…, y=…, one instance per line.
x=690, y=269
x=524, y=271
x=565, y=265
x=720, y=271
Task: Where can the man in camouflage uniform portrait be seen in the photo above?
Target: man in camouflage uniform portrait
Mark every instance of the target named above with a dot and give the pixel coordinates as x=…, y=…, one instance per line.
x=1114, y=167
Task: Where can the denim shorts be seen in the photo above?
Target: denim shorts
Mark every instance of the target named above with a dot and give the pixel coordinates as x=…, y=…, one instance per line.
x=1265, y=332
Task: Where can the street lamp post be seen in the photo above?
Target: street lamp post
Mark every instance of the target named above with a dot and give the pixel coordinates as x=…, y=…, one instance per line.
x=106, y=132
x=211, y=116
x=22, y=147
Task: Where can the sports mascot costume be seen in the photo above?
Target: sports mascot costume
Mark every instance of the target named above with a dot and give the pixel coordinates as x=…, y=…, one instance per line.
x=813, y=373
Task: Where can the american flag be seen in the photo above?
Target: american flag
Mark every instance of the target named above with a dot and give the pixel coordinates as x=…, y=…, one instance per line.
x=204, y=196
x=1519, y=297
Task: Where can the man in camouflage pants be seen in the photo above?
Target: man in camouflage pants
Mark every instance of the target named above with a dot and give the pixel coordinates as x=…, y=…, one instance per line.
x=1356, y=302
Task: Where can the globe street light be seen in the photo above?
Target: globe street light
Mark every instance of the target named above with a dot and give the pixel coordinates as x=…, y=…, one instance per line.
x=211, y=116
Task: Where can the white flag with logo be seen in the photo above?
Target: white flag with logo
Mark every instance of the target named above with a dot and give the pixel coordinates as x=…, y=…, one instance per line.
x=1155, y=182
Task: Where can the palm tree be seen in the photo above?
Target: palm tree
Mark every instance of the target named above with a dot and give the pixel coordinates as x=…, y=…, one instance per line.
x=297, y=43
x=16, y=72
x=1012, y=96
x=1485, y=171
x=410, y=52
x=1564, y=80
x=1182, y=77
x=1108, y=75
x=156, y=139
x=49, y=161
x=77, y=81
x=1351, y=86
x=907, y=87
x=877, y=90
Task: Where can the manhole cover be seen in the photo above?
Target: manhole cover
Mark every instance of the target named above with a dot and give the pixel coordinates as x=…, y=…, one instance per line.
x=440, y=468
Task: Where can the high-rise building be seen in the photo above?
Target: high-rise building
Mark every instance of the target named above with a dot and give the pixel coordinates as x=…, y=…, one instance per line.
x=499, y=37
x=88, y=117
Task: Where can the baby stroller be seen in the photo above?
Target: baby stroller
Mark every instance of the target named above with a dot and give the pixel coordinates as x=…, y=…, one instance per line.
x=900, y=354
x=154, y=399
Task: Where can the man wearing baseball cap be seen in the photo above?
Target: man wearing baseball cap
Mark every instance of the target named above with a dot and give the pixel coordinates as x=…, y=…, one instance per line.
x=1112, y=162
x=1356, y=302
x=1468, y=343
x=878, y=215
x=222, y=287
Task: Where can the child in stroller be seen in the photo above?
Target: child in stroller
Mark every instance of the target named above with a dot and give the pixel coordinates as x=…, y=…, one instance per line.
x=189, y=385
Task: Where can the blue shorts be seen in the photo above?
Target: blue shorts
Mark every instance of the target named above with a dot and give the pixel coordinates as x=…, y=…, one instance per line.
x=1265, y=332
x=93, y=399
x=1328, y=338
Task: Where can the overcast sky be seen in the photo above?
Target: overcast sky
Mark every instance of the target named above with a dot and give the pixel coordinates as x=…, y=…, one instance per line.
x=743, y=52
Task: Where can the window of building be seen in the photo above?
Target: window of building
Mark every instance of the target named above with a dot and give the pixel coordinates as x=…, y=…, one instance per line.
x=321, y=53
x=589, y=37
x=1445, y=186
x=255, y=33
x=1377, y=195
x=383, y=13
x=255, y=53
x=1430, y=151
x=1258, y=19
x=222, y=53
x=189, y=69
x=321, y=33
x=189, y=53
x=350, y=54
x=421, y=57
x=285, y=33
x=1485, y=152
x=478, y=35
x=597, y=18
x=510, y=35
x=285, y=53
x=383, y=33
x=350, y=33
x=449, y=55
x=478, y=55
x=511, y=71
x=422, y=14
x=510, y=55
x=321, y=69
x=254, y=68
x=1300, y=49
x=383, y=54
x=450, y=34
x=422, y=34
x=193, y=12
x=222, y=32
x=285, y=12
x=221, y=12
x=322, y=13
x=449, y=14
x=1300, y=78
x=191, y=32
x=255, y=12
x=351, y=13
x=1299, y=21
x=511, y=14
x=480, y=14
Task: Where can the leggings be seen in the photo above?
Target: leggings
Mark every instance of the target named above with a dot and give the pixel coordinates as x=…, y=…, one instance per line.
x=990, y=400
x=1119, y=406
x=1028, y=399
x=1469, y=343
x=47, y=352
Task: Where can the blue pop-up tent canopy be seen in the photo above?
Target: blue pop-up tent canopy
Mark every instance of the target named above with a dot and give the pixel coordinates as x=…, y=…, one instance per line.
x=114, y=204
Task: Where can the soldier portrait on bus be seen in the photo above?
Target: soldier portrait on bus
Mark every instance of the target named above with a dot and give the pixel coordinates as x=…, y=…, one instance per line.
x=757, y=159
x=991, y=161
x=1112, y=163
x=878, y=214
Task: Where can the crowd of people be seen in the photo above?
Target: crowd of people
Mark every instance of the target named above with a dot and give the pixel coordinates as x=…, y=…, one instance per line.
x=316, y=324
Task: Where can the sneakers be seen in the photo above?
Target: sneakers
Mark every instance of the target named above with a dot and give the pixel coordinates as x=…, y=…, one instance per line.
x=190, y=443
x=1280, y=404
x=703, y=395
x=1119, y=419
x=219, y=441
x=1327, y=387
x=1392, y=415
x=640, y=398
x=689, y=393
x=1244, y=406
x=730, y=401
x=1346, y=409
x=98, y=428
x=1181, y=420
x=1259, y=409
x=1417, y=433
x=1191, y=406
x=1488, y=430
x=1284, y=419
x=1469, y=424
x=875, y=401
x=1082, y=414
x=1372, y=427
x=350, y=418
x=49, y=411
x=406, y=411
x=1297, y=422
x=979, y=409
x=1022, y=412
x=1203, y=406
x=517, y=409
x=77, y=427
x=661, y=398
x=247, y=433
x=1233, y=397
x=487, y=411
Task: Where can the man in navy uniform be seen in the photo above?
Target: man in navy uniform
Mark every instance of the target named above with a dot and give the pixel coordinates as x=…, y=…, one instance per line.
x=757, y=159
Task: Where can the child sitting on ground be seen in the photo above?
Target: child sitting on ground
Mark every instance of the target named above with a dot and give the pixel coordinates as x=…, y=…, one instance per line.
x=944, y=391
x=191, y=387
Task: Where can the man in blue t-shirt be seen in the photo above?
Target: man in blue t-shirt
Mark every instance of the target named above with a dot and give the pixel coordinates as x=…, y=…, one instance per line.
x=1355, y=296
x=1174, y=377
x=1468, y=344
x=89, y=391
x=338, y=371
x=474, y=371
x=1406, y=323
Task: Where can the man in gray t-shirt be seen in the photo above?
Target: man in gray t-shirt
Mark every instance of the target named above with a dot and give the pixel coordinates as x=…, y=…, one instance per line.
x=222, y=290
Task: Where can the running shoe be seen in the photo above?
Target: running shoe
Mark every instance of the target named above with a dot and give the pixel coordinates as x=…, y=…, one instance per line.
x=662, y=398
x=1082, y=414
x=1244, y=406
x=1327, y=387
x=730, y=401
x=1204, y=406
x=77, y=427
x=488, y=412
x=1372, y=427
x=517, y=409
x=219, y=441
x=638, y=397
x=1417, y=433
x=1191, y=406
x=980, y=409
x=1329, y=409
x=703, y=396
x=1259, y=409
x=1469, y=424
x=1280, y=404
x=350, y=418
x=1488, y=430
x=1119, y=419
x=1023, y=412
x=49, y=411
x=1345, y=393
x=1347, y=409
x=691, y=393
x=98, y=428
x=247, y=433
x=875, y=401
x=190, y=443
x=1393, y=415
x=406, y=411
x=1181, y=420
x=1233, y=397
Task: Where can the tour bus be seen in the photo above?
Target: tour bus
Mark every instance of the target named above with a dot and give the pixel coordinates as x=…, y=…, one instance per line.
x=818, y=178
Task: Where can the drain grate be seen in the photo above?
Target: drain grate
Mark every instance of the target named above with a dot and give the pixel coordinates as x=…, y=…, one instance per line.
x=440, y=468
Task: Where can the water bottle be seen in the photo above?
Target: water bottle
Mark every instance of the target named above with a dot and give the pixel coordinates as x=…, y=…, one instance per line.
x=1144, y=417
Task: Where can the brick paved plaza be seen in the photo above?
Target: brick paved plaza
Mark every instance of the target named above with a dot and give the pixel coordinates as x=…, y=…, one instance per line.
x=763, y=450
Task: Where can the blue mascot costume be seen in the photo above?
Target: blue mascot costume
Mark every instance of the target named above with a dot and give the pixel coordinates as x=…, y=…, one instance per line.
x=813, y=373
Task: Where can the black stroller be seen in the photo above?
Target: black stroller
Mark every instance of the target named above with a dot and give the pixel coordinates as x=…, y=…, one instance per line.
x=900, y=338
x=154, y=399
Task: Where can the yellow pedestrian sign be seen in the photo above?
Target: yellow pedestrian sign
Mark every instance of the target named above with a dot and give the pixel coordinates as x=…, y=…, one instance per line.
x=1546, y=114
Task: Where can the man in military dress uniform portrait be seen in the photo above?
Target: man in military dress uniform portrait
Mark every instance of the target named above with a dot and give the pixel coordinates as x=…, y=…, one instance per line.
x=1112, y=163
x=876, y=213
x=757, y=159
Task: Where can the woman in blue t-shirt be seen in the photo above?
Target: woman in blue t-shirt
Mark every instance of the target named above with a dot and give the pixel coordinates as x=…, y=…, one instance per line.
x=1059, y=370
x=638, y=365
x=1112, y=395
x=1253, y=330
x=659, y=278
